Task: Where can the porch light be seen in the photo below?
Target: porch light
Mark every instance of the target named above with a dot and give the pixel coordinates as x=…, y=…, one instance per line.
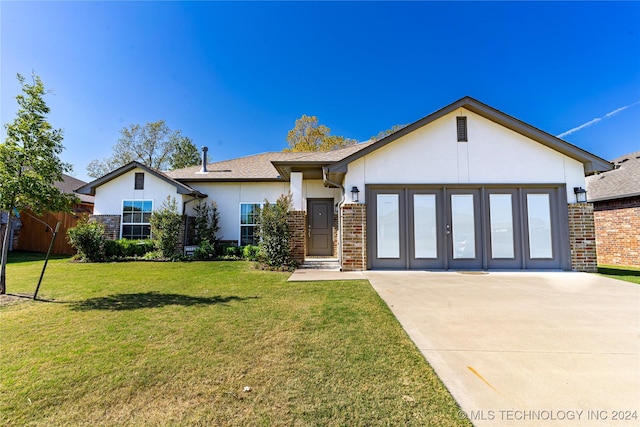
x=354, y=194
x=581, y=194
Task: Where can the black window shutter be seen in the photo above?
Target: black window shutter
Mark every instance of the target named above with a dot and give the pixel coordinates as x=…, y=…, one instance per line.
x=139, y=185
x=462, y=128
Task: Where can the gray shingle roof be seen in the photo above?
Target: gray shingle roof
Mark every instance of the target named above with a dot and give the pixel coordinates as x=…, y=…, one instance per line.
x=259, y=167
x=69, y=184
x=622, y=181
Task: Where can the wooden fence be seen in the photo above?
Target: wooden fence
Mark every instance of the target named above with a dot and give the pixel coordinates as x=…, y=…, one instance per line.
x=34, y=236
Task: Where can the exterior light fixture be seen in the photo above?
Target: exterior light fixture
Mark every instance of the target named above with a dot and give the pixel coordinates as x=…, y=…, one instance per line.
x=354, y=194
x=581, y=194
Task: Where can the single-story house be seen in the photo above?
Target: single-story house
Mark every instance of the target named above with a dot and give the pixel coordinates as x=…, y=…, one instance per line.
x=32, y=232
x=466, y=187
x=615, y=195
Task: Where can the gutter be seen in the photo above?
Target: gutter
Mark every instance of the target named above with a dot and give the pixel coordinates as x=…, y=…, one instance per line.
x=340, y=203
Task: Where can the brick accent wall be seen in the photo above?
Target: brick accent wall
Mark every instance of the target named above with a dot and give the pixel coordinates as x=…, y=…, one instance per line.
x=618, y=231
x=298, y=238
x=582, y=237
x=111, y=225
x=354, y=237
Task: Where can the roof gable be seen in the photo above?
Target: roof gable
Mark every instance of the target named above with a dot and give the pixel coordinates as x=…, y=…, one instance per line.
x=591, y=162
x=181, y=188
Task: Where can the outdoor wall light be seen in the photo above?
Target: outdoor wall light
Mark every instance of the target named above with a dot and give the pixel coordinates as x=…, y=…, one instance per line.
x=581, y=194
x=354, y=194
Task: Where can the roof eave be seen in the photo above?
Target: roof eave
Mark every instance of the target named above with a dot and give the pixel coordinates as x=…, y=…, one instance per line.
x=616, y=197
x=90, y=188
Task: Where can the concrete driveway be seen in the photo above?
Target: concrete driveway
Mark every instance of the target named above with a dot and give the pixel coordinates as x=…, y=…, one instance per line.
x=526, y=348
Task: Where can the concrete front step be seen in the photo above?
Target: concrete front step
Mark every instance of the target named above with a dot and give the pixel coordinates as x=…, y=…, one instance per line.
x=321, y=264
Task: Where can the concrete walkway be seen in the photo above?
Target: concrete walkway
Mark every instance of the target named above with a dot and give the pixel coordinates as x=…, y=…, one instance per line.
x=525, y=348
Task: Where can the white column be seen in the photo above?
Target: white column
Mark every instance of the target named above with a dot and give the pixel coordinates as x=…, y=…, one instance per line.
x=296, y=190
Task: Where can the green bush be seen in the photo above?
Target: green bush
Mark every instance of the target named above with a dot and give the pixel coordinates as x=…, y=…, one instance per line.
x=207, y=223
x=165, y=227
x=273, y=229
x=125, y=248
x=251, y=253
x=204, y=251
x=232, y=252
x=87, y=238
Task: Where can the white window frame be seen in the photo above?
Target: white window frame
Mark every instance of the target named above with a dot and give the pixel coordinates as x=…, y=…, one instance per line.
x=123, y=223
x=254, y=225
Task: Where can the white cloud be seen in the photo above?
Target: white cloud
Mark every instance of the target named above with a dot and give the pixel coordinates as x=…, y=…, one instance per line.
x=596, y=120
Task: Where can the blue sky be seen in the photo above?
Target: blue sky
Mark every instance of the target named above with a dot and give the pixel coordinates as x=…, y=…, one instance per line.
x=234, y=76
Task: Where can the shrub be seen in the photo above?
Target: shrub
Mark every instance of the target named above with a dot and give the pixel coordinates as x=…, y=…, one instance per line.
x=232, y=252
x=125, y=248
x=87, y=238
x=273, y=230
x=204, y=251
x=165, y=227
x=207, y=223
x=251, y=253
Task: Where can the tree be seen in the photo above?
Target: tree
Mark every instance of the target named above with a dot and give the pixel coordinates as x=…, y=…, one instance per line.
x=184, y=154
x=29, y=163
x=154, y=145
x=273, y=229
x=165, y=227
x=388, y=132
x=207, y=222
x=309, y=135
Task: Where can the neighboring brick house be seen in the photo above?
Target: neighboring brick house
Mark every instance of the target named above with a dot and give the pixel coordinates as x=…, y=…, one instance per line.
x=616, y=199
x=466, y=187
x=30, y=232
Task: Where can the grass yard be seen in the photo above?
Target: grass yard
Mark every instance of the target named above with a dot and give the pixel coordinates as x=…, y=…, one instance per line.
x=630, y=274
x=176, y=343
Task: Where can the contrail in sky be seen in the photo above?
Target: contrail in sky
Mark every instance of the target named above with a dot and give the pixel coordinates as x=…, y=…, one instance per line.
x=596, y=120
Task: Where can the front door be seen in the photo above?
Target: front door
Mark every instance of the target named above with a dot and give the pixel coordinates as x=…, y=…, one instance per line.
x=320, y=223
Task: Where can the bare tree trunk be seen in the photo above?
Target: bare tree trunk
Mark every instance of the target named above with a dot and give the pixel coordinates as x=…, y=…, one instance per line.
x=5, y=252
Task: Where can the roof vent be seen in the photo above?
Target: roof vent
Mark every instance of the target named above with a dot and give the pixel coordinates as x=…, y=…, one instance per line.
x=461, y=122
x=204, y=160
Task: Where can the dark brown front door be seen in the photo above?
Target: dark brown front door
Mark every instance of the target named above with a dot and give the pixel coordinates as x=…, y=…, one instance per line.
x=320, y=219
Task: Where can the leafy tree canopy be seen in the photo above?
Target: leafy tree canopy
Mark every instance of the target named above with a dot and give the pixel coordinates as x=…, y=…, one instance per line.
x=387, y=132
x=154, y=145
x=29, y=162
x=309, y=135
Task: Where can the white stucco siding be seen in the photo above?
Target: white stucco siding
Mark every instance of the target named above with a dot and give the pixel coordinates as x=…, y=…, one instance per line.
x=109, y=196
x=229, y=195
x=492, y=155
x=315, y=189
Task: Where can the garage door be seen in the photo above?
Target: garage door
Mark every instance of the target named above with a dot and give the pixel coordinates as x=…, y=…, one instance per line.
x=464, y=227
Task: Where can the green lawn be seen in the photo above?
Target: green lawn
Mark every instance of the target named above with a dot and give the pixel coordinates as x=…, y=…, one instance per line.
x=176, y=343
x=630, y=274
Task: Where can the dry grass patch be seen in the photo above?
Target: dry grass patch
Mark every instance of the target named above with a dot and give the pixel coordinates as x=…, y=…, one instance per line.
x=176, y=343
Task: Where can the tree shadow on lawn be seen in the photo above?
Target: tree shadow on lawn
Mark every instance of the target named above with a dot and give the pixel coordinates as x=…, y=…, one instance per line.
x=135, y=301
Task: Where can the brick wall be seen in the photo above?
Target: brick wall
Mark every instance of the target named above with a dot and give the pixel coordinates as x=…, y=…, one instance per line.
x=618, y=231
x=111, y=225
x=354, y=237
x=298, y=241
x=582, y=237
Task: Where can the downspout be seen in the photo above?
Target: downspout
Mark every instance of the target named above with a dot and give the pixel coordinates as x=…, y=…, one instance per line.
x=340, y=203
